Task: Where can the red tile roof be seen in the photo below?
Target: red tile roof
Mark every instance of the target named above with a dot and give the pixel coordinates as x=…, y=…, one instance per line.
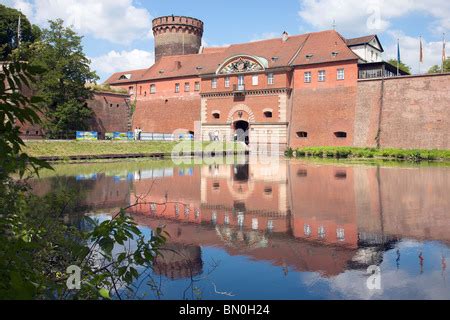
x=324, y=47
x=360, y=40
x=278, y=53
x=135, y=75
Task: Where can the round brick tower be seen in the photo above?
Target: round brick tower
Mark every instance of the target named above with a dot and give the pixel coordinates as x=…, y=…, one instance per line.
x=177, y=35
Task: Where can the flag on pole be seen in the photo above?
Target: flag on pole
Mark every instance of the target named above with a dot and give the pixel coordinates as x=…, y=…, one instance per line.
x=444, y=56
x=398, y=57
x=421, y=51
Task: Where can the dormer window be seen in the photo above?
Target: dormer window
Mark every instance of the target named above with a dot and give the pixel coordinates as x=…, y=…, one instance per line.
x=334, y=53
x=125, y=77
x=309, y=56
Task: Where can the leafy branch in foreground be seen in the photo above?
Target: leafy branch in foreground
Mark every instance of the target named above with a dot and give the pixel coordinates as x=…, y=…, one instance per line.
x=37, y=245
x=17, y=108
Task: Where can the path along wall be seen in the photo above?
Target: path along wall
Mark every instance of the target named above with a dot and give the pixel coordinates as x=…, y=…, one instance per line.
x=408, y=112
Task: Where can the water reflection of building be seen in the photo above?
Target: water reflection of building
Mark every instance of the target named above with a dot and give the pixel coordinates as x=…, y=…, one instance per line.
x=178, y=261
x=324, y=218
x=94, y=191
x=321, y=218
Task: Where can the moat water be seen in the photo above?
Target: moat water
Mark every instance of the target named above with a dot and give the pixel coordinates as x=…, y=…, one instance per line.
x=292, y=230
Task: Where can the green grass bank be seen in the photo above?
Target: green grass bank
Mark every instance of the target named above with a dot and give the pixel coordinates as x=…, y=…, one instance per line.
x=48, y=148
x=370, y=153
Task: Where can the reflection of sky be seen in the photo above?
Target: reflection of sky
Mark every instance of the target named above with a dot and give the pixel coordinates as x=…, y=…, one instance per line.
x=249, y=279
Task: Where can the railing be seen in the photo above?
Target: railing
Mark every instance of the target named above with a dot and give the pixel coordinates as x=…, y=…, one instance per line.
x=239, y=88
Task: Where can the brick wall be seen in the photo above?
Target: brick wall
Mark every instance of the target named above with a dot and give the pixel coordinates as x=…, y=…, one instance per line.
x=111, y=113
x=167, y=115
x=415, y=112
x=322, y=108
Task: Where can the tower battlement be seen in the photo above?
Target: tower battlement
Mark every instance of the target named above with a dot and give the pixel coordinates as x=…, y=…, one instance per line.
x=177, y=35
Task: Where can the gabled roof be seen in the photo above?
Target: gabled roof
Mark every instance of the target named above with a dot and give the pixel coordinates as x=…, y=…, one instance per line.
x=323, y=47
x=130, y=76
x=364, y=40
x=305, y=49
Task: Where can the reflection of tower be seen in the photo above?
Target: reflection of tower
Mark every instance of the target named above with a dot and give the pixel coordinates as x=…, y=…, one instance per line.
x=179, y=261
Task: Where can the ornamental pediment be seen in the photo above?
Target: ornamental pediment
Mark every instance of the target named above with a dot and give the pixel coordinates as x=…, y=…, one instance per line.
x=242, y=64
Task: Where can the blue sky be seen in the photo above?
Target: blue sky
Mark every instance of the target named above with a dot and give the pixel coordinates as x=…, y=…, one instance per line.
x=117, y=33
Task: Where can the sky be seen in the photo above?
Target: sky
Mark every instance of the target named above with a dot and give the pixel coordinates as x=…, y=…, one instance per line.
x=118, y=37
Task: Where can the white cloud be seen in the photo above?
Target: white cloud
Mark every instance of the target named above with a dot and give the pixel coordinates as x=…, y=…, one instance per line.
x=24, y=6
x=265, y=36
x=117, y=21
x=371, y=16
x=122, y=61
x=410, y=52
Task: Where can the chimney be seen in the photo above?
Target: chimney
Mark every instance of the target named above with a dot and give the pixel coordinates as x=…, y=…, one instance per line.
x=285, y=36
x=177, y=65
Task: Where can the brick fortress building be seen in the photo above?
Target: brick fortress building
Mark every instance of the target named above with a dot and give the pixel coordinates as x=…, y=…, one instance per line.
x=306, y=90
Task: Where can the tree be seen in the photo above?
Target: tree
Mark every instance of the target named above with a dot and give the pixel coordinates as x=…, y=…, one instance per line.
x=402, y=66
x=438, y=69
x=63, y=85
x=9, y=19
x=16, y=107
x=36, y=246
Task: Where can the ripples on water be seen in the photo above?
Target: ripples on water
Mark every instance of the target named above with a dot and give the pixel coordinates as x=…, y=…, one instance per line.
x=299, y=230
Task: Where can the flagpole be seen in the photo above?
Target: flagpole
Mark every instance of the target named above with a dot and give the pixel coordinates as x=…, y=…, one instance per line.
x=398, y=57
x=18, y=30
x=420, y=58
x=443, y=51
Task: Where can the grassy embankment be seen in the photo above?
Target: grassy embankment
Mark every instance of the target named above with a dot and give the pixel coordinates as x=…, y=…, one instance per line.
x=96, y=148
x=370, y=153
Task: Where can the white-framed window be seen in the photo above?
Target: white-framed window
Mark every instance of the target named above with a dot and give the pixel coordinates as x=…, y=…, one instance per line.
x=227, y=220
x=177, y=87
x=241, y=220
x=307, y=230
x=153, y=88
x=255, y=80
x=197, y=86
x=227, y=82
x=187, y=87
x=270, y=225
x=308, y=77
x=321, y=232
x=340, y=234
x=255, y=224
x=322, y=75
x=131, y=90
x=341, y=74
x=270, y=78
x=241, y=82
x=214, y=83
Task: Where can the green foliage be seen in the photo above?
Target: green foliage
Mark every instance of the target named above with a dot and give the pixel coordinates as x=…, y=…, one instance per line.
x=37, y=247
x=36, y=244
x=63, y=84
x=369, y=153
x=438, y=69
x=105, y=88
x=402, y=66
x=289, y=152
x=66, y=117
x=9, y=19
x=16, y=108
